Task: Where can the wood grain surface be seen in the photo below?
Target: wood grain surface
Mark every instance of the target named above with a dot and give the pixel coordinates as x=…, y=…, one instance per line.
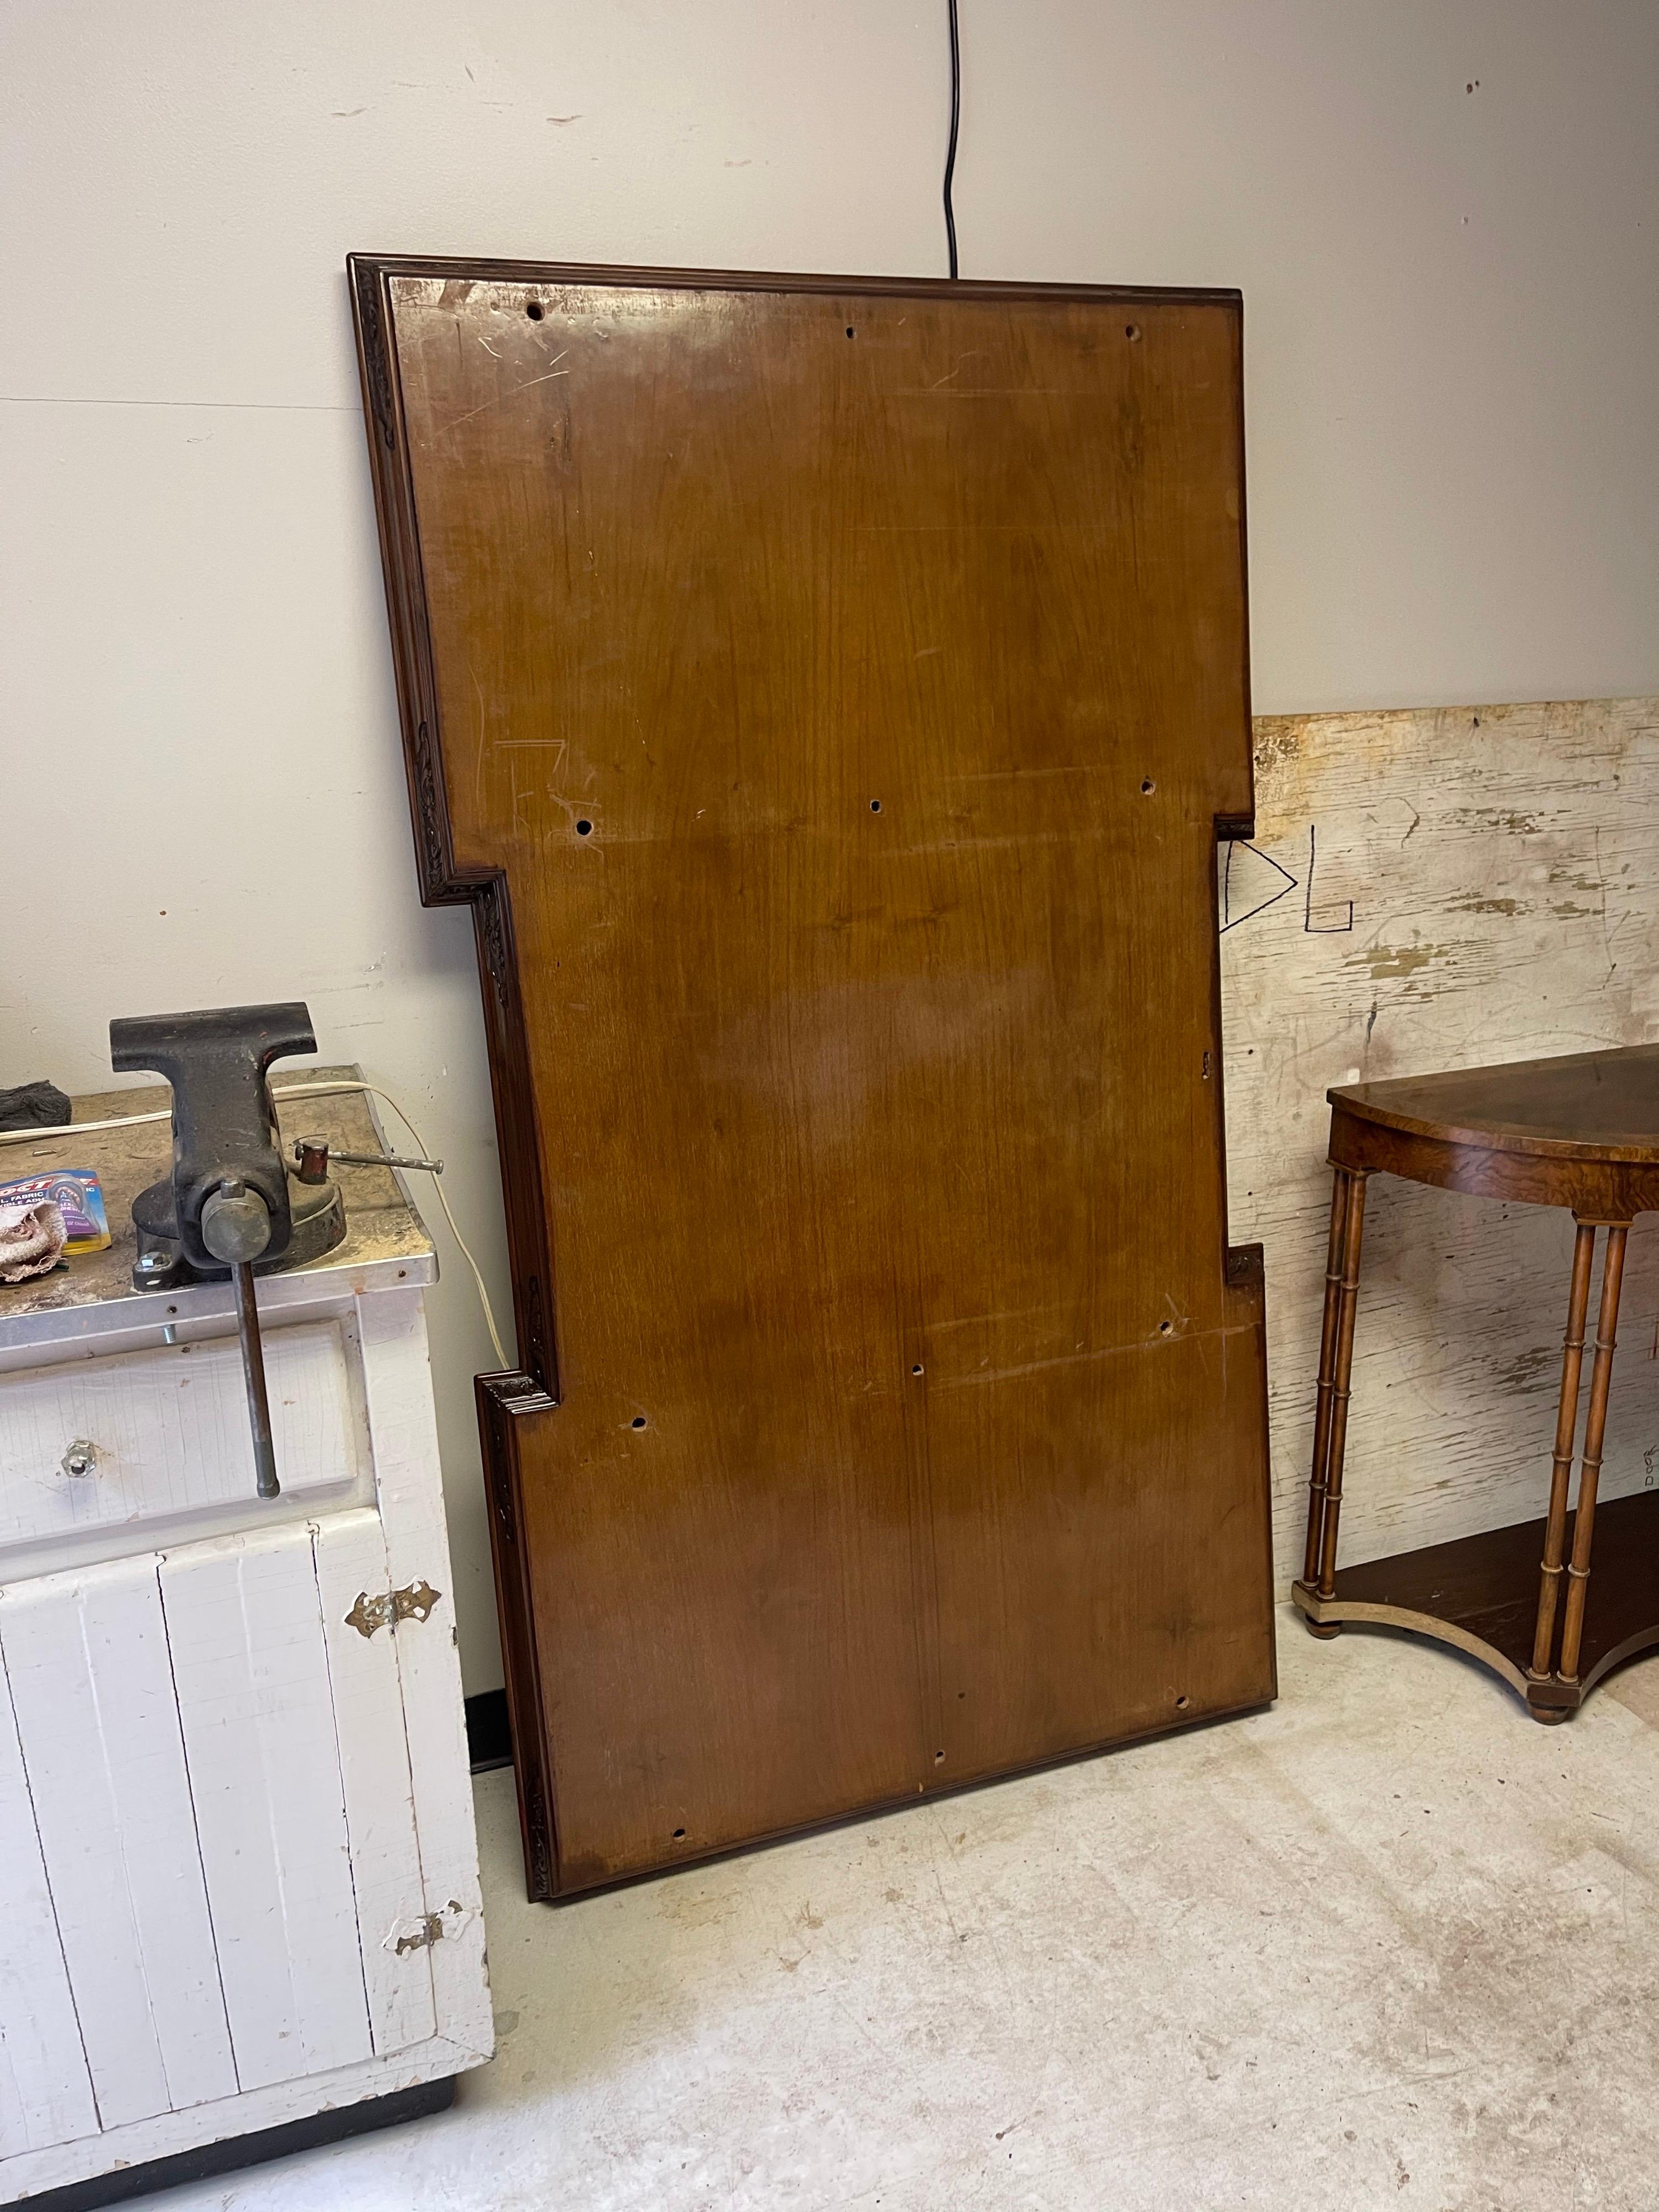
x=829, y=692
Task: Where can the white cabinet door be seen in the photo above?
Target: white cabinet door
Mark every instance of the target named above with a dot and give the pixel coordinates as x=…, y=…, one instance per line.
x=294, y=1730
x=86, y=1655
x=209, y=1775
x=373, y=1715
x=45, y=2090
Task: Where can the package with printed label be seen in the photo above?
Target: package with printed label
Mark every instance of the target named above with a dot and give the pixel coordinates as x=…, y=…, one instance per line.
x=79, y=1197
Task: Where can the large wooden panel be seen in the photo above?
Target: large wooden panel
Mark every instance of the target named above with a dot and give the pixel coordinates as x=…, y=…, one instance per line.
x=830, y=691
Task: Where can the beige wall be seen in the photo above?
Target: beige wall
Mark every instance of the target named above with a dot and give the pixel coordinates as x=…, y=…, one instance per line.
x=1452, y=323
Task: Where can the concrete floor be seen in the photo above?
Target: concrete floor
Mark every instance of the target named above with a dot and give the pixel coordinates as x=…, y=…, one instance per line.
x=1391, y=1943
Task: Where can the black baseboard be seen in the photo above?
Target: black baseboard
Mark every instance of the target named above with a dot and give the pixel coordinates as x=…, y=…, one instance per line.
x=233, y=2151
x=489, y=1744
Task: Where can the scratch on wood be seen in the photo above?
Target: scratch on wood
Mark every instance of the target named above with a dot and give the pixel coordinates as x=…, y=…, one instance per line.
x=1517, y=824
x=501, y=397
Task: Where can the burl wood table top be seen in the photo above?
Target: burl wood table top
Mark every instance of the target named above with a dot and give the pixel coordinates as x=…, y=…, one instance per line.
x=1584, y=1106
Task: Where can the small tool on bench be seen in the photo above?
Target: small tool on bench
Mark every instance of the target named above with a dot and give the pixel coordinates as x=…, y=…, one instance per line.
x=312, y=1156
x=231, y=1209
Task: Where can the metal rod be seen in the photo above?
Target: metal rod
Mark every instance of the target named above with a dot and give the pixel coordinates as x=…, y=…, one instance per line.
x=305, y=1146
x=387, y=1160
x=253, y=1374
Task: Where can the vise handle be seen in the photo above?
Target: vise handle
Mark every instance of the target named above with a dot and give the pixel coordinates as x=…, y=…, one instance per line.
x=230, y=1201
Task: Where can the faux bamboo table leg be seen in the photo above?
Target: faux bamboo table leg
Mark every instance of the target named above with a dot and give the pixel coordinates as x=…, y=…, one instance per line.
x=1321, y=1442
x=1516, y=1597
x=1335, y=1366
x=1572, y=1627
x=1566, y=1426
x=1339, y=1392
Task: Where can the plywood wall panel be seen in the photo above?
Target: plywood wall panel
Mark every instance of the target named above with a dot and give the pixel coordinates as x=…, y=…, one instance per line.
x=1436, y=890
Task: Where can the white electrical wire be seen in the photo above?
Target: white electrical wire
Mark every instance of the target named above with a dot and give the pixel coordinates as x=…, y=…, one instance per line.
x=328, y=1089
x=81, y=1129
x=295, y=1091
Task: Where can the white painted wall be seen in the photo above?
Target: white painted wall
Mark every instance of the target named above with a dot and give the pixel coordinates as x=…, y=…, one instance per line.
x=1451, y=325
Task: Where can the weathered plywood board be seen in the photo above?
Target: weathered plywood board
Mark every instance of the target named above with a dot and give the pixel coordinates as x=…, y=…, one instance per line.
x=1448, y=888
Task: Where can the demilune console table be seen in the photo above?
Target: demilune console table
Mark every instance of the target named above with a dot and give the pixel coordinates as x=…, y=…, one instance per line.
x=1582, y=1132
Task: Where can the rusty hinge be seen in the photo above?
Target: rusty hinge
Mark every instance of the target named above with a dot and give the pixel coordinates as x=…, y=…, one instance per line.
x=426, y=1928
x=427, y=1931
x=387, y=1608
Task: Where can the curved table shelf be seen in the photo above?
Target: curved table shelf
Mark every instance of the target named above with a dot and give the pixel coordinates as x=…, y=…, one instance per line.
x=1480, y=1593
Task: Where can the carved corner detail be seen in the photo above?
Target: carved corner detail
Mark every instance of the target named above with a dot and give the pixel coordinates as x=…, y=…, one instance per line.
x=492, y=926
x=430, y=826
x=538, y=1852
x=534, y=1329
x=377, y=372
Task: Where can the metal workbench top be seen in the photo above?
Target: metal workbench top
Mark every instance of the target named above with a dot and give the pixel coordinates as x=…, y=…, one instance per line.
x=385, y=1242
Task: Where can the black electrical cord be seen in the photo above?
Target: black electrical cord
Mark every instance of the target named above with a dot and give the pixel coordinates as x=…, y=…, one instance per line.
x=950, y=150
